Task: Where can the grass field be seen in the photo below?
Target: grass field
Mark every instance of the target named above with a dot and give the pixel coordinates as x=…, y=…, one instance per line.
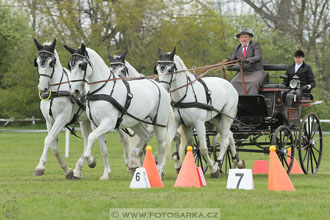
x=52, y=197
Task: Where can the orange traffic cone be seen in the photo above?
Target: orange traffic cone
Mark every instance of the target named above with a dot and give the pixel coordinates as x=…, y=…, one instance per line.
x=260, y=167
x=151, y=169
x=278, y=179
x=188, y=176
x=295, y=166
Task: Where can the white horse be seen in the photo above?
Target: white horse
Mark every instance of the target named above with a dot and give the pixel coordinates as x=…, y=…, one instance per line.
x=57, y=106
x=120, y=104
x=122, y=68
x=211, y=100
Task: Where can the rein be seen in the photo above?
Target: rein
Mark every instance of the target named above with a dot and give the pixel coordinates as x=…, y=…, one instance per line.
x=197, y=70
x=214, y=67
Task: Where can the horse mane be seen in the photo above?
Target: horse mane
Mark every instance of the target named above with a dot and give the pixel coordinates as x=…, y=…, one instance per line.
x=131, y=70
x=180, y=64
x=98, y=61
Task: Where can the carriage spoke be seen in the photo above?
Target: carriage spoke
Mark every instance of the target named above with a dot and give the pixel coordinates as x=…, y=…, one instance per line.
x=315, y=159
x=316, y=149
x=314, y=131
x=285, y=162
x=308, y=154
x=311, y=158
x=286, y=141
x=306, y=151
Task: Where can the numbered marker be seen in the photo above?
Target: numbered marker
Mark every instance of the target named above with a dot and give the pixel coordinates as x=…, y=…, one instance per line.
x=240, y=179
x=140, y=179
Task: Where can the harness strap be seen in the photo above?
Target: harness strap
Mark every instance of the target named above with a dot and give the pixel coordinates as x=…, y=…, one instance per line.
x=129, y=97
x=55, y=94
x=73, y=100
x=127, y=132
x=207, y=91
x=202, y=106
x=97, y=97
x=159, y=97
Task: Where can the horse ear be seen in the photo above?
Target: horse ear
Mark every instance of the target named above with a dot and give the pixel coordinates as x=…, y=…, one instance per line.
x=83, y=49
x=122, y=57
x=159, y=52
x=110, y=57
x=52, y=46
x=172, y=53
x=38, y=45
x=69, y=49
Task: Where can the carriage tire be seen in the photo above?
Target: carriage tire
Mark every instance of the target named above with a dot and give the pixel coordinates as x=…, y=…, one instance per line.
x=310, y=145
x=283, y=139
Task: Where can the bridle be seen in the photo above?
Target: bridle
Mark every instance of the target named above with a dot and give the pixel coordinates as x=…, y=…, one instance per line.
x=116, y=65
x=83, y=66
x=171, y=70
x=44, y=65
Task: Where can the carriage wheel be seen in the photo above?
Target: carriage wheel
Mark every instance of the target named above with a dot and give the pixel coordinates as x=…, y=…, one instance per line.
x=310, y=143
x=283, y=140
x=199, y=158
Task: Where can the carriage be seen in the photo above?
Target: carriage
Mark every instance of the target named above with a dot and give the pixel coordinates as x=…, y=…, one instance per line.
x=264, y=119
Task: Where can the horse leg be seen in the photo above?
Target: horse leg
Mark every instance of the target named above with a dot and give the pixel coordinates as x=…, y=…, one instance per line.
x=85, y=131
x=124, y=139
x=52, y=140
x=200, y=128
x=174, y=134
x=102, y=129
x=104, y=152
x=186, y=140
x=176, y=154
x=163, y=147
x=135, y=152
x=40, y=169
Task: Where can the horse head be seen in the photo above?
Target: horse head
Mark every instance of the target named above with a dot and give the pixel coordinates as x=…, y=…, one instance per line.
x=80, y=67
x=117, y=65
x=165, y=68
x=46, y=62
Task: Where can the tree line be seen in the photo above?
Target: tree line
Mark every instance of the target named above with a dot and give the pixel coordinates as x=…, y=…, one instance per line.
x=201, y=34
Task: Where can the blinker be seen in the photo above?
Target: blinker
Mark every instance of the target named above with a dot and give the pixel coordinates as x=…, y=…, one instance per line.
x=35, y=62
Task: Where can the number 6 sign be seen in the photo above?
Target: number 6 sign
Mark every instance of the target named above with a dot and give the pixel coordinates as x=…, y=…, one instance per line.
x=140, y=179
x=240, y=179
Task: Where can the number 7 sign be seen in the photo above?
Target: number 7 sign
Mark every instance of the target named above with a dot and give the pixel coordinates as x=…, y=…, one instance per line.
x=240, y=179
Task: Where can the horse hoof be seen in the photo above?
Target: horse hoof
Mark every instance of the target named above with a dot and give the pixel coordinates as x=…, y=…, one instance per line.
x=132, y=170
x=39, y=172
x=93, y=164
x=69, y=175
x=76, y=178
x=241, y=164
x=215, y=175
x=104, y=178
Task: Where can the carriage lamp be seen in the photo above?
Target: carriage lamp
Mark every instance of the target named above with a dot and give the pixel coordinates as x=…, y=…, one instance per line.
x=294, y=82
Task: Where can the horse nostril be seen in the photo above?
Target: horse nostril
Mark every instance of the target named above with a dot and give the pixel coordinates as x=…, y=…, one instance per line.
x=76, y=91
x=46, y=89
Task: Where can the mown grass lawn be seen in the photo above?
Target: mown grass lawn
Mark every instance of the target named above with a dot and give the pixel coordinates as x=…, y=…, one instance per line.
x=52, y=197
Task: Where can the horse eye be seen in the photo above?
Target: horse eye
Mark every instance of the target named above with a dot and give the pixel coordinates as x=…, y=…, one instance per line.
x=83, y=66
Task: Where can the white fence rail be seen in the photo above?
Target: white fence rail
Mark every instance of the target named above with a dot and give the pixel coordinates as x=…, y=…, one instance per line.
x=12, y=119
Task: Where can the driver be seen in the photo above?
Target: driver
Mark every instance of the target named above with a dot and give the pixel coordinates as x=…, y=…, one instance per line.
x=305, y=74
